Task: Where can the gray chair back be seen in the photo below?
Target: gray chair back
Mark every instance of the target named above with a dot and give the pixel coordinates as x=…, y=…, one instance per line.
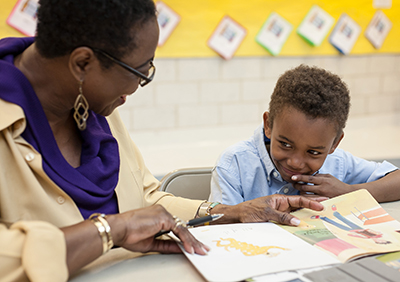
x=192, y=183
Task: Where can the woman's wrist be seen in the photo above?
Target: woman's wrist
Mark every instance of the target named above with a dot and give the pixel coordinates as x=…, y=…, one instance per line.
x=118, y=228
x=104, y=229
x=205, y=208
x=231, y=213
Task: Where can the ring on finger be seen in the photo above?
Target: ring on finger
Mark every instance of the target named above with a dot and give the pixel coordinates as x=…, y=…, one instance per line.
x=178, y=222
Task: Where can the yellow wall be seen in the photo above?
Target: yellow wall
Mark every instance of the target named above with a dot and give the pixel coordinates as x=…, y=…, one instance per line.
x=200, y=17
x=5, y=9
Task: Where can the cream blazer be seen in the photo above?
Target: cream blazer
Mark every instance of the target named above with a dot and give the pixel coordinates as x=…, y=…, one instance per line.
x=32, y=206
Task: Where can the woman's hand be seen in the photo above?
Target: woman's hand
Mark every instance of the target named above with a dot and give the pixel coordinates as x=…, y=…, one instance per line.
x=323, y=185
x=134, y=230
x=275, y=207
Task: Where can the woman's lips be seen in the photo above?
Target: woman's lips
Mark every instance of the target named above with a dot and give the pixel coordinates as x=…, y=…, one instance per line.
x=123, y=99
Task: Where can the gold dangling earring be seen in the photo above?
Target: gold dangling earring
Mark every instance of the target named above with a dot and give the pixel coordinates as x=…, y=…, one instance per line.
x=81, y=108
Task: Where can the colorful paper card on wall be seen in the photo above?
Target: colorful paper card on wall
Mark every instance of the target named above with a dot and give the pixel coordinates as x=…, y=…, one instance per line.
x=378, y=29
x=274, y=33
x=315, y=26
x=23, y=17
x=227, y=37
x=167, y=19
x=345, y=34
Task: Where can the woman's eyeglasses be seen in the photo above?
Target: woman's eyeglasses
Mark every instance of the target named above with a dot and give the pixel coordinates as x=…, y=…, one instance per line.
x=144, y=80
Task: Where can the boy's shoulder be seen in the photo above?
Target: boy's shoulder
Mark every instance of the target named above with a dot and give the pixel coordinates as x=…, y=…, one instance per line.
x=342, y=160
x=244, y=153
x=240, y=147
x=242, y=150
x=340, y=155
x=344, y=155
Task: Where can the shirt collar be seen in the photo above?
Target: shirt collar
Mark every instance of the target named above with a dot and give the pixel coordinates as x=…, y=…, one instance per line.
x=260, y=141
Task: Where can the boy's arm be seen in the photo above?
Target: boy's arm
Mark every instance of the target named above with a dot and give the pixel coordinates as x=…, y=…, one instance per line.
x=225, y=187
x=384, y=189
x=346, y=173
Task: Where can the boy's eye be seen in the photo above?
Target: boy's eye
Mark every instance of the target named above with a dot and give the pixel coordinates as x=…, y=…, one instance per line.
x=315, y=153
x=284, y=144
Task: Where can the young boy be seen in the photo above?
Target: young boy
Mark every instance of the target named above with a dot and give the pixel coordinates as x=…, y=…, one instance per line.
x=295, y=150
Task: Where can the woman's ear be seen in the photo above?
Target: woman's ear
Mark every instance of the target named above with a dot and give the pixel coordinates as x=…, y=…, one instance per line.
x=336, y=142
x=81, y=60
x=267, y=129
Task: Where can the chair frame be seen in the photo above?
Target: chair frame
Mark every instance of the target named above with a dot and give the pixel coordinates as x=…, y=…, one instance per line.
x=192, y=177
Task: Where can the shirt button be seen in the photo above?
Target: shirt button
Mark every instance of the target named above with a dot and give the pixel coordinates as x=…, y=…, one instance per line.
x=286, y=190
x=275, y=174
x=29, y=157
x=60, y=200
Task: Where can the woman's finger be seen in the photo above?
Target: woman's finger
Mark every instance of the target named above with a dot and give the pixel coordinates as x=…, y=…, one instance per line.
x=304, y=202
x=190, y=243
x=283, y=218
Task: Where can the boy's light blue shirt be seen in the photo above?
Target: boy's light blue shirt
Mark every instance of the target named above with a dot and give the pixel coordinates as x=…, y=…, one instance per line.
x=245, y=171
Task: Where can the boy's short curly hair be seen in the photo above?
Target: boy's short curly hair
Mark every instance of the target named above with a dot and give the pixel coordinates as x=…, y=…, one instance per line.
x=110, y=25
x=316, y=92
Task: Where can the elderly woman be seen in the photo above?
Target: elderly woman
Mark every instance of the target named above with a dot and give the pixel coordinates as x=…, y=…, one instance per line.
x=72, y=182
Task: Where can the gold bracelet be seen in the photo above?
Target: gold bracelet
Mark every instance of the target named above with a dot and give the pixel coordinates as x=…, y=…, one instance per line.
x=210, y=207
x=110, y=242
x=202, y=209
x=205, y=208
x=104, y=230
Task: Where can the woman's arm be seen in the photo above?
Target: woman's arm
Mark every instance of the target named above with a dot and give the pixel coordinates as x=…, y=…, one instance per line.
x=32, y=250
x=269, y=208
x=133, y=230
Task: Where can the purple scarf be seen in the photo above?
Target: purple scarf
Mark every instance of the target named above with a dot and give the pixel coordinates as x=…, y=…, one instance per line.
x=91, y=185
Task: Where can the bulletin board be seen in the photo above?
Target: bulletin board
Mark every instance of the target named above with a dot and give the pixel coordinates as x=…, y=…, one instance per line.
x=200, y=17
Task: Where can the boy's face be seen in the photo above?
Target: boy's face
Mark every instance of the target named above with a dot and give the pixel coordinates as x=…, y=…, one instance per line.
x=299, y=145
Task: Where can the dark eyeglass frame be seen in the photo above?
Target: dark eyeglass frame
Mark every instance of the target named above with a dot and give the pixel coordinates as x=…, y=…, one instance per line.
x=144, y=80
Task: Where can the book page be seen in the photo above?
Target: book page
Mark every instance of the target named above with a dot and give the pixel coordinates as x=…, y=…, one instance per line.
x=351, y=225
x=239, y=251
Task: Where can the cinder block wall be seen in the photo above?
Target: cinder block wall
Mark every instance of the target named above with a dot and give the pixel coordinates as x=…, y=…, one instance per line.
x=195, y=108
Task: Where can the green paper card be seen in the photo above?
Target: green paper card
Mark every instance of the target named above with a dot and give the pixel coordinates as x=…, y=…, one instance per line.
x=315, y=26
x=274, y=33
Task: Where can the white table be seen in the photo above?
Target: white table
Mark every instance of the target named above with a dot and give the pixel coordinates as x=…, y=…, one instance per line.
x=122, y=265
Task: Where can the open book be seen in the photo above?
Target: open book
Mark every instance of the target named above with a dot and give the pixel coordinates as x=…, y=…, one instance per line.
x=350, y=226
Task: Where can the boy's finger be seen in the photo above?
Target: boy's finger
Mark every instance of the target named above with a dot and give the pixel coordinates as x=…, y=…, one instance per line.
x=304, y=188
x=302, y=178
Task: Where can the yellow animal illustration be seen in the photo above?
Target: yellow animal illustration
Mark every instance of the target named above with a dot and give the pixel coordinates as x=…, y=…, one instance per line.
x=248, y=249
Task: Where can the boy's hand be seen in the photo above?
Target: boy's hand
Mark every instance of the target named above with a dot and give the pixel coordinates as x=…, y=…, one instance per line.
x=323, y=185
